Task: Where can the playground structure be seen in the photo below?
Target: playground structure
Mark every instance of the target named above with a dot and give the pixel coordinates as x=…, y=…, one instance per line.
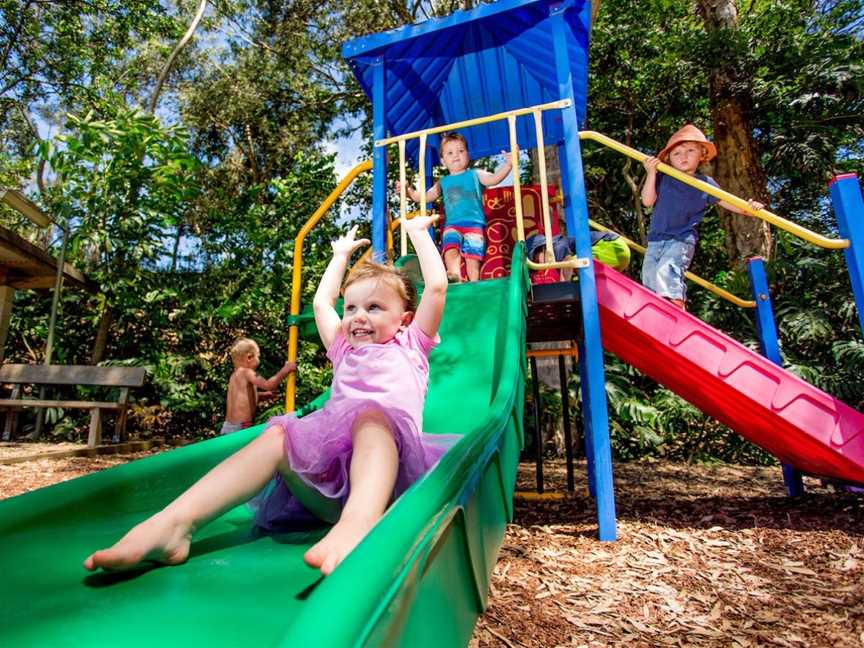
x=421, y=576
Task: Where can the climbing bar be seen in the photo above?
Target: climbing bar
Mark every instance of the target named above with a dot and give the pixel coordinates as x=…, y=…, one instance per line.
x=572, y=262
x=422, y=161
x=297, y=273
x=563, y=103
x=517, y=180
x=764, y=214
x=403, y=197
x=572, y=352
x=544, y=187
x=707, y=285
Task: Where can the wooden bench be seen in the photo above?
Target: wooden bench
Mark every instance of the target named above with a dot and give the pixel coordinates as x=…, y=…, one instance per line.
x=122, y=378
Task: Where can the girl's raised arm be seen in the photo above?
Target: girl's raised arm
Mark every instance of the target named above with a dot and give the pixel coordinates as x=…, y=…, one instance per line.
x=327, y=320
x=431, y=307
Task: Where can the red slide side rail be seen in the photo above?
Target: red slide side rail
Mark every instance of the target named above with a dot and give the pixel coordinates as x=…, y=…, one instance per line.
x=793, y=420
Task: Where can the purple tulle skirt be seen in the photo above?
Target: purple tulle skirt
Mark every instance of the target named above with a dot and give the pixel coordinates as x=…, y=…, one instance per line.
x=318, y=448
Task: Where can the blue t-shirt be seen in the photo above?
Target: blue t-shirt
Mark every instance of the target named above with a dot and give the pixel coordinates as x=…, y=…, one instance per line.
x=679, y=208
x=463, y=199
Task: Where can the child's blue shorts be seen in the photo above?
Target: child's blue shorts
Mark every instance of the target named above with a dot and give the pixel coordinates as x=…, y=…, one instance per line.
x=468, y=240
x=665, y=264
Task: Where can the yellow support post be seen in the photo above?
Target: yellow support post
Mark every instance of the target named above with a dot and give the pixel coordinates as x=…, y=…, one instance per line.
x=297, y=272
x=403, y=198
x=421, y=160
x=517, y=183
x=544, y=192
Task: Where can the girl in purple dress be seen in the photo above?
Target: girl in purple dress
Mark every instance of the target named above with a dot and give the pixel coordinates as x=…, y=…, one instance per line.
x=347, y=461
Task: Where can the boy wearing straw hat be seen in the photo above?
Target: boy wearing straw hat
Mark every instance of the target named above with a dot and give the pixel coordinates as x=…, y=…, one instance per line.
x=678, y=210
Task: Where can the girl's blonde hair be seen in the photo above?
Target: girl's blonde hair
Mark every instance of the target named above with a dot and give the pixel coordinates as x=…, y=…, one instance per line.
x=390, y=275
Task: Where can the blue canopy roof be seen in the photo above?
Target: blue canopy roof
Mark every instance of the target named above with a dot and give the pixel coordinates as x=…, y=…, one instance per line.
x=490, y=59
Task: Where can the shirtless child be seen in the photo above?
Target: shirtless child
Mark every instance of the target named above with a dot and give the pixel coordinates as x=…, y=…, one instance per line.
x=244, y=384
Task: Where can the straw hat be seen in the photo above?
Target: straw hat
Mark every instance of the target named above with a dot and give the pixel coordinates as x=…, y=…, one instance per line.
x=688, y=133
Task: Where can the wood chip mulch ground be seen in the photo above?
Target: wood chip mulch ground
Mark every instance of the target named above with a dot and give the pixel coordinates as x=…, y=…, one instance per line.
x=706, y=556
x=18, y=478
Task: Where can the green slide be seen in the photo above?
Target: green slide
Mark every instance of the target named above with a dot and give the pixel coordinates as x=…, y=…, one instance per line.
x=420, y=578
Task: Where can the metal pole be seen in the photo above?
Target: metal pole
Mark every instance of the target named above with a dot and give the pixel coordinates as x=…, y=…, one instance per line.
x=576, y=212
x=766, y=329
x=55, y=301
x=565, y=415
x=535, y=391
x=379, y=164
x=52, y=323
x=586, y=427
x=849, y=209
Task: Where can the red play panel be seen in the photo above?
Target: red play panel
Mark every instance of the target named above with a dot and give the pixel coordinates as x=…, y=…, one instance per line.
x=798, y=423
x=499, y=205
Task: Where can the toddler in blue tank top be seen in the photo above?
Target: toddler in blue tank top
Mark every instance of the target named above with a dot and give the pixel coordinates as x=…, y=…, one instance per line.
x=462, y=191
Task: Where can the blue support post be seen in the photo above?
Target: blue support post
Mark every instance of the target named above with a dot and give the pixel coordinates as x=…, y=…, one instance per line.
x=576, y=211
x=849, y=210
x=379, y=165
x=767, y=332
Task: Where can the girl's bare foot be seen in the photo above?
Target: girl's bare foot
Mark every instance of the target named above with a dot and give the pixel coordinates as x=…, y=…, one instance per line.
x=157, y=538
x=338, y=543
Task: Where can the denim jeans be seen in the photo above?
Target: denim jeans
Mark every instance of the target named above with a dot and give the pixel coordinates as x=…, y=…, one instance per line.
x=665, y=264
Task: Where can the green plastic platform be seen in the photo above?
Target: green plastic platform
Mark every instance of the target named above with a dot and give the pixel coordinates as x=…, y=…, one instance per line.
x=420, y=578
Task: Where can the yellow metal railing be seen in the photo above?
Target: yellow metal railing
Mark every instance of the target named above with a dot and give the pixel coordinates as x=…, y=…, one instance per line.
x=296, y=276
x=510, y=116
x=764, y=214
x=707, y=285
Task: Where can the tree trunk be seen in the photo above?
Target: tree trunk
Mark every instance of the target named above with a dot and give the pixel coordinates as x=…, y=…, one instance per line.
x=595, y=10
x=737, y=168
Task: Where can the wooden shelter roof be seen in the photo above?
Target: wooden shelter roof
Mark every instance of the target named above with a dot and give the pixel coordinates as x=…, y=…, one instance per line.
x=24, y=265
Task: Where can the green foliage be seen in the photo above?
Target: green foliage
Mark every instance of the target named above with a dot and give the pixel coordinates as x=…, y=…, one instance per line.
x=550, y=413
x=648, y=420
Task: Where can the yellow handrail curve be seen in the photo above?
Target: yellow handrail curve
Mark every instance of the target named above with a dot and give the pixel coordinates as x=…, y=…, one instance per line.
x=793, y=228
x=297, y=273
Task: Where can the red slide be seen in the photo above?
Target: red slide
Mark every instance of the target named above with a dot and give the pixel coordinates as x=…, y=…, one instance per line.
x=793, y=420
